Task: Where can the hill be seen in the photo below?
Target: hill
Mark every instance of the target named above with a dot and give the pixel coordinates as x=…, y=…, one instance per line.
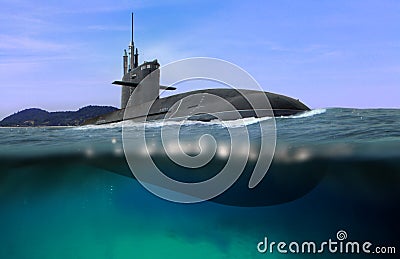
x=37, y=117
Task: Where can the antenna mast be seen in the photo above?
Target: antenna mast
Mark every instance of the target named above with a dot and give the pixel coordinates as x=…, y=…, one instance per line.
x=132, y=50
x=136, y=55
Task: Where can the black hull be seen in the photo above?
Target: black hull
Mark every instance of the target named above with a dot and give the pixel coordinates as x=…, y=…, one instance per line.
x=280, y=105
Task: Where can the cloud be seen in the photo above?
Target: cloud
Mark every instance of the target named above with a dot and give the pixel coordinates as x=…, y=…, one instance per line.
x=107, y=28
x=11, y=42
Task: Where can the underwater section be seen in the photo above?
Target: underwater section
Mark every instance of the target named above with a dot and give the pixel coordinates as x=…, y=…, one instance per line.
x=68, y=192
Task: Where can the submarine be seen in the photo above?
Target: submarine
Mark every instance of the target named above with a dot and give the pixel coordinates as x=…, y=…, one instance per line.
x=141, y=88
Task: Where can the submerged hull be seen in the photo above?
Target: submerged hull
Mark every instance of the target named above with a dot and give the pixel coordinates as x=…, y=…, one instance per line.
x=197, y=107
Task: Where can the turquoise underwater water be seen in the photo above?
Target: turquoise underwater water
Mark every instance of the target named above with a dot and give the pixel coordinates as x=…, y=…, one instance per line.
x=67, y=192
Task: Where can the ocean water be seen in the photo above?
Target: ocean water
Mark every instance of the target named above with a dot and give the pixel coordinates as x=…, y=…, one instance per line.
x=67, y=192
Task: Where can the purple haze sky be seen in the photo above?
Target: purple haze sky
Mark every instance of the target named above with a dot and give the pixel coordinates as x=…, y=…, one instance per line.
x=64, y=55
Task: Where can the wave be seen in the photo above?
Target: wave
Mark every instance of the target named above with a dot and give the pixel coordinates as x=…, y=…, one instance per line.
x=305, y=114
x=229, y=123
x=173, y=122
x=102, y=126
x=166, y=123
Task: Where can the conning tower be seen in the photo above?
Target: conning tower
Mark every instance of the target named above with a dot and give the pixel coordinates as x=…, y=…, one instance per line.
x=134, y=74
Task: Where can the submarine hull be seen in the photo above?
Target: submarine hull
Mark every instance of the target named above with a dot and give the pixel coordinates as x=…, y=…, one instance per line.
x=205, y=105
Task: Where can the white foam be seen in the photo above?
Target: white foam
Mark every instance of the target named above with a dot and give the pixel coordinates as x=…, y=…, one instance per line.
x=224, y=124
x=242, y=122
x=305, y=114
x=162, y=123
x=102, y=126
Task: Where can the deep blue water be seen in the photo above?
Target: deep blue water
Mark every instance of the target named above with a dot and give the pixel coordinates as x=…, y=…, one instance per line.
x=67, y=192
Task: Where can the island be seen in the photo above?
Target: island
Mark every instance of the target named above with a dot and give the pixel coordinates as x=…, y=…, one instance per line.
x=35, y=117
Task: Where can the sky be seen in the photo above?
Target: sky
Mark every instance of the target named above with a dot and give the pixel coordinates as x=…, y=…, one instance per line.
x=59, y=55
